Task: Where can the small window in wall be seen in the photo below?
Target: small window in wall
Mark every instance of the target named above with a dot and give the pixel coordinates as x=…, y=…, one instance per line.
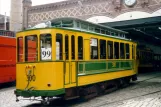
x=127, y=51
x=102, y=49
x=122, y=51
x=31, y=48
x=80, y=47
x=116, y=50
x=20, y=49
x=46, y=46
x=73, y=46
x=94, y=48
x=110, y=49
x=59, y=45
x=67, y=47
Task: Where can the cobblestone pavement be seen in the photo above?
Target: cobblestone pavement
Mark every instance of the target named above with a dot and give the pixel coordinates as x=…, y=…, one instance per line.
x=146, y=92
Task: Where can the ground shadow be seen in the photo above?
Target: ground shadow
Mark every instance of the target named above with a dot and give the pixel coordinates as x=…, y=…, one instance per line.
x=7, y=85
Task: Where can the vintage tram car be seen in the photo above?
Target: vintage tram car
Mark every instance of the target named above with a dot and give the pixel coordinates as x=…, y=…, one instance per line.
x=73, y=58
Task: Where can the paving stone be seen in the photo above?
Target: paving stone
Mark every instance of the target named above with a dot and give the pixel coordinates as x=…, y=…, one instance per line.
x=146, y=92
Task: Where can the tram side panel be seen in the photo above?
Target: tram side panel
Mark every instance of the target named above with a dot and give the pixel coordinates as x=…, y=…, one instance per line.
x=96, y=70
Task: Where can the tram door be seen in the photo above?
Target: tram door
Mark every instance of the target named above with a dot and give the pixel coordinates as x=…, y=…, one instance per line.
x=70, y=63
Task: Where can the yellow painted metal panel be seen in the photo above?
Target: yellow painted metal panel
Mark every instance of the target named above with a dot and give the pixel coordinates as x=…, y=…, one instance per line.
x=53, y=45
x=73, y=73
x=70, y=85
x=90, y=79
x=67, y=73
x=86, y=50
x=45, y=73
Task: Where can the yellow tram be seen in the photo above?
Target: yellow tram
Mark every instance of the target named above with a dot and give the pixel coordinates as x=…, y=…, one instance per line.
x=72, y=58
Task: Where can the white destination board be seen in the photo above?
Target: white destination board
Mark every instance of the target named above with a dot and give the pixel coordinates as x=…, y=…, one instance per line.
x=93, y=42
x=46, y=53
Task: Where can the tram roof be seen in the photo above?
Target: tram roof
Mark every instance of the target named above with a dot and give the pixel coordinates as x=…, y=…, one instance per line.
x=82, y=25
x=65, y=22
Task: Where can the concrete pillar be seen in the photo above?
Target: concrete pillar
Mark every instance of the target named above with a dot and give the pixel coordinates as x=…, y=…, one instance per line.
x=16, y=15
x=26, y=5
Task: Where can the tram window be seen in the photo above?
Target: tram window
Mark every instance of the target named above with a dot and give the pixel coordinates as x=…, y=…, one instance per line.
x=112, y=34
x=78, y=25
x=31, y=51
x=127, y=51
x=94, y=48
x=80, y=47
x=46, y=46
x=20, y=49
x=59, y=45
x=102, y=49
x=133, y=52
x=67, y=47
x=107, y=32
x=84, y=26
x=73, y=46
x=103, y=31
x=97, y=30
x=122, y=50
x=91, y=28
x=115, y=34
x=116, y=50
x=110, y=49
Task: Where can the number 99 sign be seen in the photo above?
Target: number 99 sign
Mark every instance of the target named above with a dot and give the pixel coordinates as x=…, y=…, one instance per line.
x=45, y=53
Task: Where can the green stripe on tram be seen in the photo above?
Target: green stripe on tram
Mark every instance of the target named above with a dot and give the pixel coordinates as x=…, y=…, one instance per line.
x=37, y=93
x=103, y=67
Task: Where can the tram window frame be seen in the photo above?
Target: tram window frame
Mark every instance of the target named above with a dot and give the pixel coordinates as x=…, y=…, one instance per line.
x=134, y=51
x=73, y=47
x=102, y=49
x=19, y=50
x=122, y=50
x=133, y=47
x=94, y=48
x=97, y=30
x=103, y=31
x=26, y=48
x=112, y=34
x=61, y=46
x=45, y=46
x=107, y=32
x=110, y=48
x=80, y=48
x=116, y=50
x=127, y=51
x=66, y=47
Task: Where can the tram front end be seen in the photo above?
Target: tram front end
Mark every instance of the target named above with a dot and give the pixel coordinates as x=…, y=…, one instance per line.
x=38, y=74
